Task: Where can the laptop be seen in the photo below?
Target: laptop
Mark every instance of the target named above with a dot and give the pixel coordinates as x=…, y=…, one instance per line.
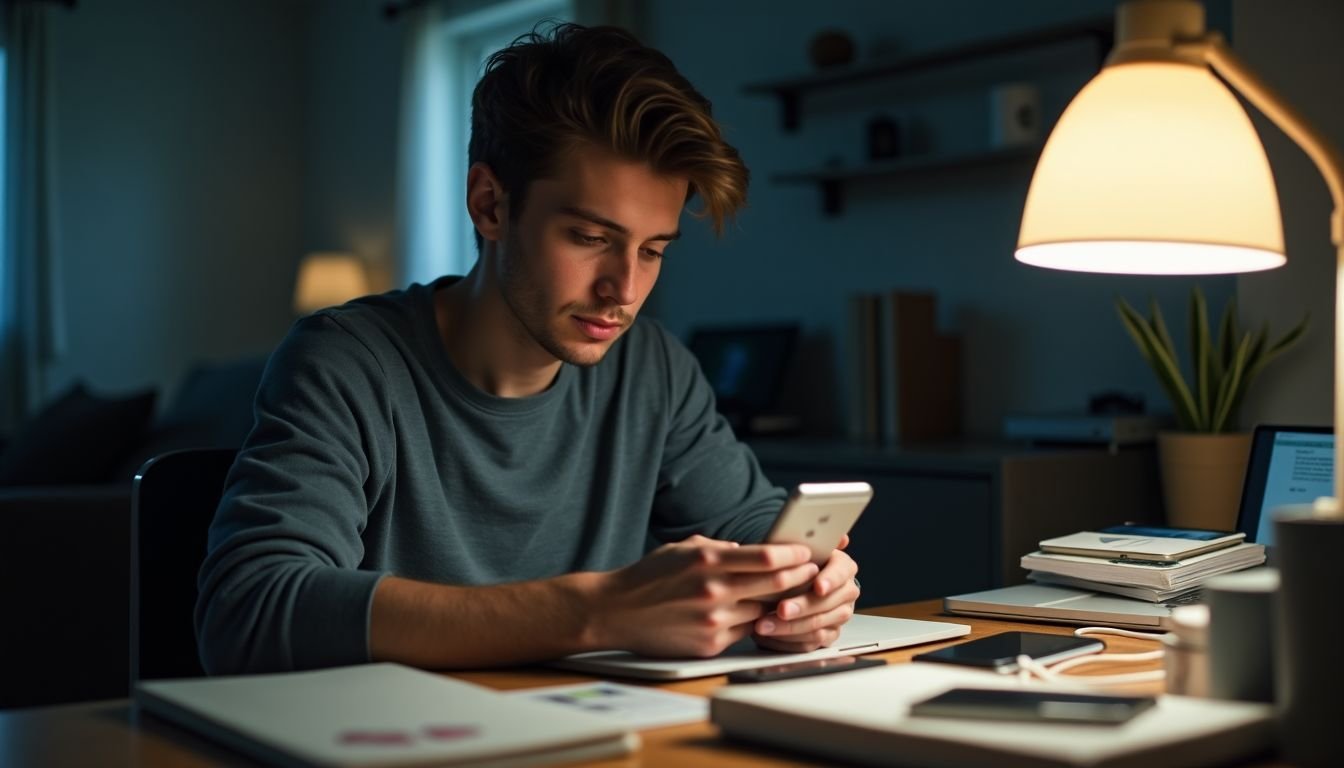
x=1287, y=465
x=861, y=634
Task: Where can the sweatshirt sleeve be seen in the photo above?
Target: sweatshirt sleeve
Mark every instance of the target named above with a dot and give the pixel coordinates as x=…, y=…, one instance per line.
x=280, y=587
x=709, y=482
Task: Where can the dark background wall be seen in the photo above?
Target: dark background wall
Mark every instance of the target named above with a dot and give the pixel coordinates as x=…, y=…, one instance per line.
x=180, y=132
x=203, y=147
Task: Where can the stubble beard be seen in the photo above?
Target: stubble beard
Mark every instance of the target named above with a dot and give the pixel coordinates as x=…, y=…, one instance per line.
x=528, y=304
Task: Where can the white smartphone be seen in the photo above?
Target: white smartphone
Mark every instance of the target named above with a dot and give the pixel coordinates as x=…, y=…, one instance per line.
x=818, y=514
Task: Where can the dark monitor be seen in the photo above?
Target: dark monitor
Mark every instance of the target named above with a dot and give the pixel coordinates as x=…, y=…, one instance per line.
x=745, y=366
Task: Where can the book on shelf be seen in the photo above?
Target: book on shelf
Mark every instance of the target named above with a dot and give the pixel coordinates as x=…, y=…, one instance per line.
x=1147, y=594
x=1179, y=574
x=383, y=715
x=1143, y=543
x=905, y=375
x=864, y=716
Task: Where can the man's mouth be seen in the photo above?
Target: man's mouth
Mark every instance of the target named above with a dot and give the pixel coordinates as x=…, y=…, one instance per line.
x=597, y=328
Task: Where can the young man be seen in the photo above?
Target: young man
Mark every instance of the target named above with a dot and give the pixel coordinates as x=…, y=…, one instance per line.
x=466, y=473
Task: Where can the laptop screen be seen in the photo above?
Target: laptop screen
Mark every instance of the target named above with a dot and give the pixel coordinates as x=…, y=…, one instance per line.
x=1288, y=465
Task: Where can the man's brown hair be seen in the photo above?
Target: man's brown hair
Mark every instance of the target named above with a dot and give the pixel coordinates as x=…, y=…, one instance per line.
x=547, y=94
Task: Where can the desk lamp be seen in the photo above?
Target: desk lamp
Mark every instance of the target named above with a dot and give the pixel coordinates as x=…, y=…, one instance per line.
x=327, y=279
x=1155, y=168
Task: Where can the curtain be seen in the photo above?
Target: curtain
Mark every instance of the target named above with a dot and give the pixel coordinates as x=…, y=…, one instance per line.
x=446, y=45
x=32, y=329
x=424, y=167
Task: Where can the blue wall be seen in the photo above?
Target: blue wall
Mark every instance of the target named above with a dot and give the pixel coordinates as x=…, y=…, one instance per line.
x=1033, y=339
x=203, y=147
x=179, y=132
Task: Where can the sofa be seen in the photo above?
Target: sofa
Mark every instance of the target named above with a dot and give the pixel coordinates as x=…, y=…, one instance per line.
x=65, y=525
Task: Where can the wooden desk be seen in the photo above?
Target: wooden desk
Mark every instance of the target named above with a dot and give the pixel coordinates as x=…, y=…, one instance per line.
x=112, y=734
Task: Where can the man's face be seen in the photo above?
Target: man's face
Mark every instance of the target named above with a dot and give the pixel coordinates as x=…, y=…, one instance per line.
x=579, y=261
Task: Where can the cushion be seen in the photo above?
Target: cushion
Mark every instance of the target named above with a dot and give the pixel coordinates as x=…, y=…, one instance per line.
x=78, y=438
x=216, y=398
x=211, y=409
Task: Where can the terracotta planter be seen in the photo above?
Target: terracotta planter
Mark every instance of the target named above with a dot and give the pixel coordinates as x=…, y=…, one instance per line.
x=1202, y=476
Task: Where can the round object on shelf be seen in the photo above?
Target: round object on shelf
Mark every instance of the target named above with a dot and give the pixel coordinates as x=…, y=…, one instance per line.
x=831, y=48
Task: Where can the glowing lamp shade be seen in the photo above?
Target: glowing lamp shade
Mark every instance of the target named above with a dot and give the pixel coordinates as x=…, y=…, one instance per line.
x=328, y=279
x=1153, y=169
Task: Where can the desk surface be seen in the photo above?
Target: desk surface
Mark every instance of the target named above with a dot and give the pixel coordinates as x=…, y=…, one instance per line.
x=110, y=733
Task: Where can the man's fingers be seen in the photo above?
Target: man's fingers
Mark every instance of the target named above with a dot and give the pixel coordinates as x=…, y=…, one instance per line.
x=810, y=604
x=833, y=618
x=739, y=614
x=763, y=557
x=838, y=571
x=697, y=542
x=746, y=586
x=799, y=644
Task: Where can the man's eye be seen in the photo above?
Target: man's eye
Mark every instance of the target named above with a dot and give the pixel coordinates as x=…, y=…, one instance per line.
x=584, y=239
x=653, y=253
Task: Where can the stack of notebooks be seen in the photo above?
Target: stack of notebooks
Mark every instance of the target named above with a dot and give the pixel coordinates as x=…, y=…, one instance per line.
x=1140, y=562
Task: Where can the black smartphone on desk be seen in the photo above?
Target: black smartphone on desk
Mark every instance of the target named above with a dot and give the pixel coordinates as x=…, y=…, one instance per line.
x=803, y=669
x=1034, y=706
x=999, y=652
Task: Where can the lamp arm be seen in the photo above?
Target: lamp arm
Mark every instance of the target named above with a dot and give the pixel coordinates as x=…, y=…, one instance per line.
x=1230, y=67
x=1322, y=152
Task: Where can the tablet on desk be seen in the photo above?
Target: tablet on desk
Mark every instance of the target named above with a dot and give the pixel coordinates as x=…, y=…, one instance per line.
x=863, y=634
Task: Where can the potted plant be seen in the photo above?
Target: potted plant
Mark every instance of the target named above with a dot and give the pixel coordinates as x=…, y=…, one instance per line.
x=1203, y=462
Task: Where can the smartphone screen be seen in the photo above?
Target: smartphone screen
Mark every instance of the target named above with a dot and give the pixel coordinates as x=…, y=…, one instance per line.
x=1040, y=706
x=1000, y=652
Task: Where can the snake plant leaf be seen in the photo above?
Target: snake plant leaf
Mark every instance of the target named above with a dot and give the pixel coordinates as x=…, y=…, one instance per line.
x=1284, y=343
x=1160, y=327
x=1225, y=346
x=1223, y=368
x=1163, y=364
x=1254, y=363
x=1133, y=321
x=1228, y=334
x=1250, y=367
x=1232, y=385
x=1200, y=353
x=1257, y=347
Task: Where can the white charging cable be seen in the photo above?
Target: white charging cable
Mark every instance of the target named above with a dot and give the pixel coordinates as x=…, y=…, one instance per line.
x=1028, y=667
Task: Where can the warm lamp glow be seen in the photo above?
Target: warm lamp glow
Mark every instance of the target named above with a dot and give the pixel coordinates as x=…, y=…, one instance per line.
x=1134, y=257
x=328, y=279
x=1154, y=168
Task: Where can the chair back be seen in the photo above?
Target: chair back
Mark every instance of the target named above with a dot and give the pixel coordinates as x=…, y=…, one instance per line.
x=173, y=501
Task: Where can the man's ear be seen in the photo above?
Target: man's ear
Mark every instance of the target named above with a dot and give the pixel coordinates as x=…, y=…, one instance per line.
x=487, y=202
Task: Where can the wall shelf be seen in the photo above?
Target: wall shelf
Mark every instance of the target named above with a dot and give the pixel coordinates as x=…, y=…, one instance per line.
x=790, y=91
x=831, y=180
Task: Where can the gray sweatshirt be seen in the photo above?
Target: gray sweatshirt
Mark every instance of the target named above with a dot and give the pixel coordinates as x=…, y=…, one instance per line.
x=372, y=455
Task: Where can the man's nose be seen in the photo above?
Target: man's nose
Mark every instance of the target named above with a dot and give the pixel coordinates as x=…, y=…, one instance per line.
x=616, y=283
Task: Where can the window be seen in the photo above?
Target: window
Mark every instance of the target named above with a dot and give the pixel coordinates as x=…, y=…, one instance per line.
x=437, y=235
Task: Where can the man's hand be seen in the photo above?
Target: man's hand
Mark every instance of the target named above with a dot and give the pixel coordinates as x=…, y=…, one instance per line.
x=695, y=597
x=812, y=619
